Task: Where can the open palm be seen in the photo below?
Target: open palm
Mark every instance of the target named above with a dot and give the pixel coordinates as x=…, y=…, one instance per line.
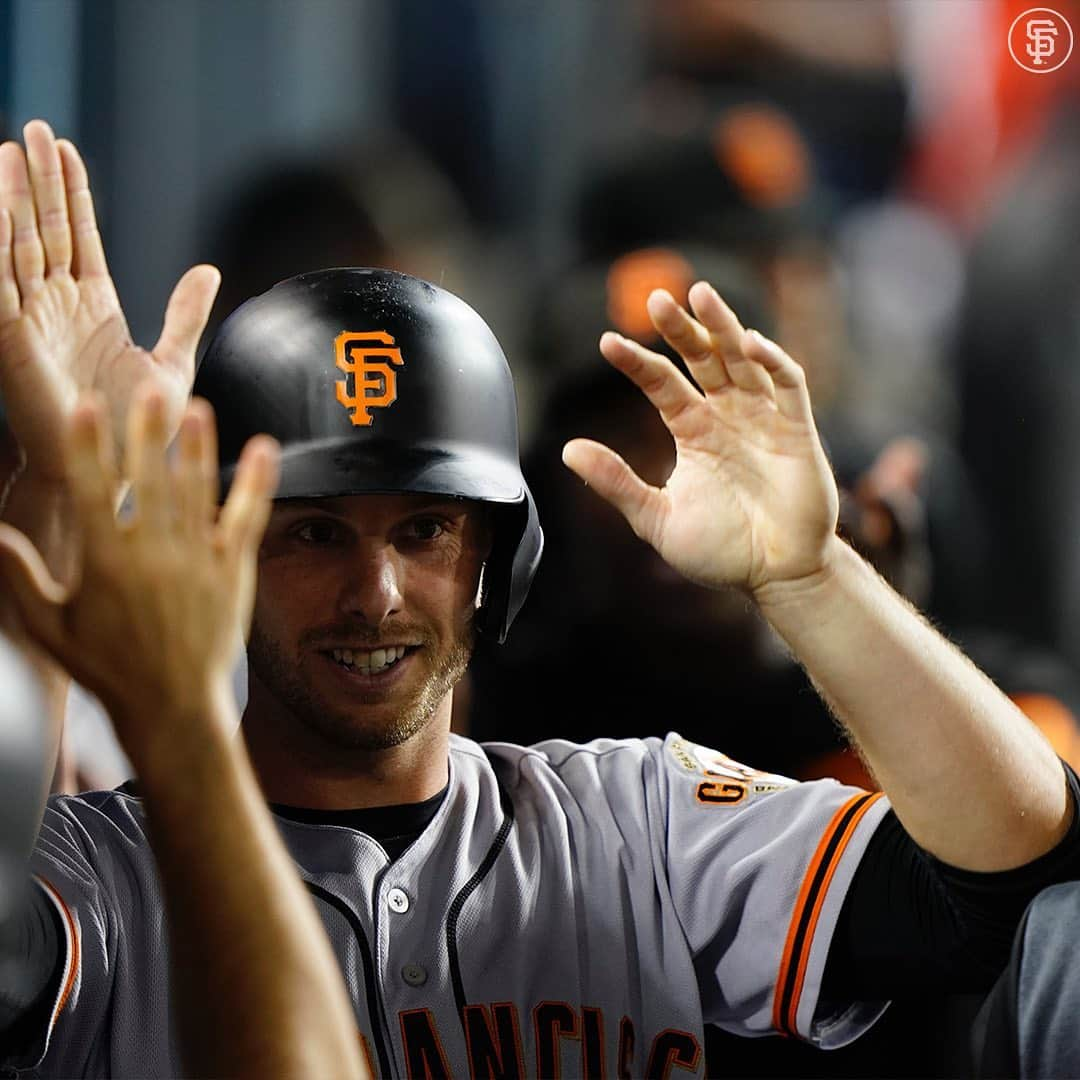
x=751, y=500
x=62, y=330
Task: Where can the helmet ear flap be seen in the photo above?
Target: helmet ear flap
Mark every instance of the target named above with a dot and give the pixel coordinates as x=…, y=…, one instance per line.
x=515, y=554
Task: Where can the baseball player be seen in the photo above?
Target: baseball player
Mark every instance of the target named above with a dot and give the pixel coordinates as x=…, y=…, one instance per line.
x=558, y=910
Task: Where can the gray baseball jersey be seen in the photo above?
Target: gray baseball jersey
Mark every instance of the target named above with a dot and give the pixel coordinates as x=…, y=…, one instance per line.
x=569, y=911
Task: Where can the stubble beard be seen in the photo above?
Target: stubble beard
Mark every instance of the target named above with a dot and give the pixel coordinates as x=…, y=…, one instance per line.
x=352, y=729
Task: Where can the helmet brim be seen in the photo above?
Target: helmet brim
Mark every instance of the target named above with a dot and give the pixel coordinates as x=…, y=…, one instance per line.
x=337, y=467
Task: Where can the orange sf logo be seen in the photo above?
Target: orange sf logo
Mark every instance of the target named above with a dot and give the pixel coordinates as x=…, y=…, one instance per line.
x=367, y=357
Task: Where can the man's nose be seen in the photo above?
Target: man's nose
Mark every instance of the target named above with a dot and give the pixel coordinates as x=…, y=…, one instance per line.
x=373, y=591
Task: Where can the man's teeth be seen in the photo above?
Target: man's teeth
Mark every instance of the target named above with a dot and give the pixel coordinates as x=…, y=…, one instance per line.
x=369, y=663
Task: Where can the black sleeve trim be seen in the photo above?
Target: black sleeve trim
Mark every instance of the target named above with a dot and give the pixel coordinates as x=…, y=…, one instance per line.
x=911, y=922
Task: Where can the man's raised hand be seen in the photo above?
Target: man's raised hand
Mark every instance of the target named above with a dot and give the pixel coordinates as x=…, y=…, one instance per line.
x=62, y=330
x=751, y=501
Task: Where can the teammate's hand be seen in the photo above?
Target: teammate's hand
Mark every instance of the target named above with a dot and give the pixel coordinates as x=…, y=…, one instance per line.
x=61, y=327
x=162, y=598
x=751, y=501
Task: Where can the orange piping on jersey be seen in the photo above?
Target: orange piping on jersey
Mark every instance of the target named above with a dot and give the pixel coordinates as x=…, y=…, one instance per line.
x=75, y=957
x=814, y=889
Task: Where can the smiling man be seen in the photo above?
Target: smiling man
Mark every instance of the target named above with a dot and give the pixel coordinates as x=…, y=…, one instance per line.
x=499, y=910
x=400, y=490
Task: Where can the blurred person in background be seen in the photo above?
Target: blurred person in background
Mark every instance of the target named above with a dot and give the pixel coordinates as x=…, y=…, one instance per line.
x=334, y=209
x=1017, y=362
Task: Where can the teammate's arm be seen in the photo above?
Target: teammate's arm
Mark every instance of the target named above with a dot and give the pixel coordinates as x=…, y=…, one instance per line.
x=152, y=627
x=62, y=331
x=752, y=503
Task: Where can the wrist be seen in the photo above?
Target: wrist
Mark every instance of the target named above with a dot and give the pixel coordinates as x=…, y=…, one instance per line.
x=162, y=737
x=776, y=599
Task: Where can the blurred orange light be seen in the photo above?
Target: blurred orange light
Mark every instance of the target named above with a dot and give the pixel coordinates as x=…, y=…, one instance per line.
x=763, y=153
x=630, y=280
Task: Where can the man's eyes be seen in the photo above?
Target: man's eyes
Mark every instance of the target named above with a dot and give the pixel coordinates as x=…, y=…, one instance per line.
x=326, y=531
x=425, y=528
x=320, y=531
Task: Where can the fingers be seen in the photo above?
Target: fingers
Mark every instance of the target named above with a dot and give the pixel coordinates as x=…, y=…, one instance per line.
x=38, y=598
x=655, y=375
x=87, y=250
x=719, y=321
x=703, y=352
x=247, y=509
x=146, y=466
x=18, y=197
x=50, y=198
x=195, y=474
x=601, y=468
x=10, y=301
x=721, y=354
x=185, y=317
x=787, y=377
x=91, y=469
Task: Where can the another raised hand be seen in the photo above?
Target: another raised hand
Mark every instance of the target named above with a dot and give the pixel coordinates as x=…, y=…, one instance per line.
x=62, y=330
x=158, y=600
x=752, y=500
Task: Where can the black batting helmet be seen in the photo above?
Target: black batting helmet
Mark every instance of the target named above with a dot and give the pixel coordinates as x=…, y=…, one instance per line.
x=377, y=382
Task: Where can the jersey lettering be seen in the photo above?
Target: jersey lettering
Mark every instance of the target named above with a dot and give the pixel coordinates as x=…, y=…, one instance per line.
x=592, y=1044
x=553, y=1021
x=626, y=1049
x=495, y=1053
x=424, y=1056
x=727, y=792
x=670, y=1049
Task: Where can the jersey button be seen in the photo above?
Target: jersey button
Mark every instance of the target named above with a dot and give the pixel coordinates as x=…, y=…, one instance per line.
x=398, y=900
x=414, y=974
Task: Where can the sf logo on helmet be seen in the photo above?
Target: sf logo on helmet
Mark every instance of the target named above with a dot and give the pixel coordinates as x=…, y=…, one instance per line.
x=369, y=358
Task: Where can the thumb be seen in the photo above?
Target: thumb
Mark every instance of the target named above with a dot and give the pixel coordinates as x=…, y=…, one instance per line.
x=39, y=599
x=185, y=317
x=601, y=468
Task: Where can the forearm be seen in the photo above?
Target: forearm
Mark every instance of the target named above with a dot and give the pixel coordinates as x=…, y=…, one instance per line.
x=243, y=928
x=972, y=780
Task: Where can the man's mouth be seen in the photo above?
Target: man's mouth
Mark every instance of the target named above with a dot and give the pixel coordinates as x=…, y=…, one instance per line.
x=372, y=662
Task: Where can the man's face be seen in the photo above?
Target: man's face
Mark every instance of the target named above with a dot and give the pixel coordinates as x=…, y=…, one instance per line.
x=364, y=612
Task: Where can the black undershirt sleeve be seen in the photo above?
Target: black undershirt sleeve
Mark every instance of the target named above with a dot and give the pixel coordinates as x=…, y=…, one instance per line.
x=31, y=966
x=912, y=924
